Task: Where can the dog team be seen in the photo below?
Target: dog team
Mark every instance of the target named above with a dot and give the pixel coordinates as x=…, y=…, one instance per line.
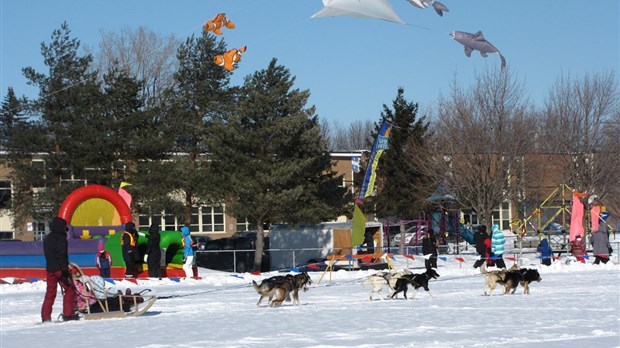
x=490, y=248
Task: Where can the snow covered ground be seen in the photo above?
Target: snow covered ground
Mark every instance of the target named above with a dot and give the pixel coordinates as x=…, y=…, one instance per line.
x=575, y=305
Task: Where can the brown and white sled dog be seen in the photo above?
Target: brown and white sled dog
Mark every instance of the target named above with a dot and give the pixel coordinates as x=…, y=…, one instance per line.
x=380, y=279
x=492, y=279
x=280, y=288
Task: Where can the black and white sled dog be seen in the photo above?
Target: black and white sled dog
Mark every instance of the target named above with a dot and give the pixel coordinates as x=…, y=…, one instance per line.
x=416, y=280
x=380, y=279
x=280, y=288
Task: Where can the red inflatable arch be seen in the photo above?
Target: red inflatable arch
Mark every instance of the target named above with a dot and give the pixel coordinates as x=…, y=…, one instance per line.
x=94, y=191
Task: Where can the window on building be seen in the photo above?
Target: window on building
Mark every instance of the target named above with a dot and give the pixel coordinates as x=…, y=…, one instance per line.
x=5, y=194
x=144, y=222
x=169, y=223
x=194, y=220
x=501, y=216
x=39, y=229
x=213, y=219
x=202, y=220
x=243, y=225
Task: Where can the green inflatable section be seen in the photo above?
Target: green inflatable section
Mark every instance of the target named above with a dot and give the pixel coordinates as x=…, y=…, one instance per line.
x=170, y=244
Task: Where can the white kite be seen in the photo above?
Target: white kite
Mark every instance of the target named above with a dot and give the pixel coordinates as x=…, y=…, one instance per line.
x=380, y=9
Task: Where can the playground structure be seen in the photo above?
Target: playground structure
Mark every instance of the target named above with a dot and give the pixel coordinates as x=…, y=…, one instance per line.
x=551, y=219
x=95, y=216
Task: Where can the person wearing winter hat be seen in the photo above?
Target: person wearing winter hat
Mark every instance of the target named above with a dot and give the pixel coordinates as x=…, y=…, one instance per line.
x=103, y=261
x=129, y=243
x=578, y=249
x=56, y=250
x=188, y=252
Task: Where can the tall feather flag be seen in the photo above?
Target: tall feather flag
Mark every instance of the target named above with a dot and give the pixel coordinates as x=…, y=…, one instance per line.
x=576, y=217
x=368, y=186
x=124, y=194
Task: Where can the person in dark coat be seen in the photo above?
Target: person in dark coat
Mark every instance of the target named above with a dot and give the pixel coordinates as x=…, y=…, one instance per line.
x=483, y=245
x=429, y=247
x=154, y=252
x=56, y=250
x=129, y=243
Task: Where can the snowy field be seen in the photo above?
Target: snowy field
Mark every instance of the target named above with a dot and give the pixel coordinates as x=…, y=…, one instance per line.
x=576, y=305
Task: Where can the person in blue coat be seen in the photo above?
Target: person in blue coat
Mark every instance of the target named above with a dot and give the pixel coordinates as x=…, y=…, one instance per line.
x=546, y=252
x=188, y=252
x=497, y=246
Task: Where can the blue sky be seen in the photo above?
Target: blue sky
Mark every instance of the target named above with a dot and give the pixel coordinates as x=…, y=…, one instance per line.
x=351, y=66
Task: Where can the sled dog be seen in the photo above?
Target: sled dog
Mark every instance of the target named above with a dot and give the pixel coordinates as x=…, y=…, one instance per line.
x=416, y=280
x=280, y=288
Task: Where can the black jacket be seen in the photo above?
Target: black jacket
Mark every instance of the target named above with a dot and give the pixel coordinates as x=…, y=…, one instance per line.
x=152, y=248
x=479, y=238
x=55, y=247
x=428, y=245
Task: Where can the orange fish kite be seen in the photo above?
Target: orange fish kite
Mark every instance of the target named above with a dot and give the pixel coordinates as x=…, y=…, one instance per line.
x=216, y=24
x=230, y=58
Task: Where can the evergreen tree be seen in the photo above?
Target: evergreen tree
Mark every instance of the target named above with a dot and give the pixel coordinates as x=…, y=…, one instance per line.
x=68, y=104
x=130, y=132
x=11, y=118
x=20, y=139
x=276, y=162
x=402, y=189
x=200, y=96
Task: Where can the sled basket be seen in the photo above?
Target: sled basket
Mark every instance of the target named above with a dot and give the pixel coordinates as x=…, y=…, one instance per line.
x=102, y=304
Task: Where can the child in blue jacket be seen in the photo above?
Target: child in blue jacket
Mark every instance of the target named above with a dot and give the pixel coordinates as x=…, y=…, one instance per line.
x=546, y=253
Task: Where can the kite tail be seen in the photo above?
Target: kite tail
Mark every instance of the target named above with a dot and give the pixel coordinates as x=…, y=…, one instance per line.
x=503, y=62
x=418, y=26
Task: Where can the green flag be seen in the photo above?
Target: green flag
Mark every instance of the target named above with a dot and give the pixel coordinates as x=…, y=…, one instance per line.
x=359, y=226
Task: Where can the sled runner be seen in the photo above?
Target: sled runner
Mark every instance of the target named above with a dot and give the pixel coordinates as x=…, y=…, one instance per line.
x=94, y=301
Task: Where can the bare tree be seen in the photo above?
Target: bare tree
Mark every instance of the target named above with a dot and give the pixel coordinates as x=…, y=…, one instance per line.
x=581, y=124
x=355, y=136
x=143, y=55
x=478, y=142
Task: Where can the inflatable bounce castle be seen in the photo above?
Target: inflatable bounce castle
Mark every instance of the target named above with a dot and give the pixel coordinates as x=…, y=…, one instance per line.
x=96, y=215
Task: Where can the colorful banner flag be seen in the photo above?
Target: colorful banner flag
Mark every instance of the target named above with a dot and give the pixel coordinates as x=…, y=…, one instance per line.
x=381, y=144
x=359, y=219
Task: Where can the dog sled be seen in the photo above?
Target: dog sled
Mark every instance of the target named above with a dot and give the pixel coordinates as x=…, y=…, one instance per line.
x=94, y=301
